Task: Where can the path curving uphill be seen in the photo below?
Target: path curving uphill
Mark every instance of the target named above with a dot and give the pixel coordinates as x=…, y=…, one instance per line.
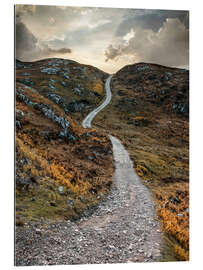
x=127, y=220
x=123, y=228
x=88, y=119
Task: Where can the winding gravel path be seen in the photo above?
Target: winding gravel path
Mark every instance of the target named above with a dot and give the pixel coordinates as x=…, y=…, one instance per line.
x=88, y=119
x=123, y=228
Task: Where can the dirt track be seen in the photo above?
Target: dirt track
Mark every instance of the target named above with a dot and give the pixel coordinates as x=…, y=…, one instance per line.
x=123, y=228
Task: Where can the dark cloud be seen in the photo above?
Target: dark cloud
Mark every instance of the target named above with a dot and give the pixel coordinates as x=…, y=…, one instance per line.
x=129, y=35
x=150, y=19
x=169, y=46
x=29, y=48
x=26, y=42
x=49, y=51
x=112, y=53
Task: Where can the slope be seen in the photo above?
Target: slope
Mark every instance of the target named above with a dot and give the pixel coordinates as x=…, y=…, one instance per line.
x=61, y=168
x=76, y=88
x=149, y=114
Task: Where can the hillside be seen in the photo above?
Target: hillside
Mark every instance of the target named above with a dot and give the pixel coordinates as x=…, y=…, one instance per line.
x=160, y=85
x=76, y=88
x=149, y=114
x=62, y=169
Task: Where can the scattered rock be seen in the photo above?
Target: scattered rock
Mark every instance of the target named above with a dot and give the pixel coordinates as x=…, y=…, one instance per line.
x=78, y=106
x=180, y=215
x=52, y=87
x=50, y=71
x=19, y=114
x=61, y=190
x=38, y=231
x=23, y=183
x=82, y=199
x=65, y=75
x=166, y=204
x=56, y=98
x=67, y=134
x=26, y=81
x=174, y=200
x=52, y=80
x=141, y=68
x=77, y=91
x=18, y=124
x=26, y=74
x=63, y=83
x=70, y=203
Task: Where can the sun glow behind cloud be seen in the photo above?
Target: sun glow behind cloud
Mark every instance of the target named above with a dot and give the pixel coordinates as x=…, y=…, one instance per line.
x=103, y=37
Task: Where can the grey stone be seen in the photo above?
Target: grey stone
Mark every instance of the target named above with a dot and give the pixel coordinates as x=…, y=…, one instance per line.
x=19, y=113
x=67, y=134
x=26, y=74
x=180, y=215
x=166, y=204
x=82, y=199
x=77, y=106
x=50, y=71
x=77, y=91
x=52, y=80
x=70, y=203
x=61, y=190
x=38, y=231
x=169, y=74
x=27, y=81
x=19, y=64
x=23, y=182
x=65, y=75
x=52, y=87
x=57, y=99
x=64, y=83
x=142, y=68
x=18, y=124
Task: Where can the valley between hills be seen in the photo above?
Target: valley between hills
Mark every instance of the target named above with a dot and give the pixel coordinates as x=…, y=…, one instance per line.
x=66, y=189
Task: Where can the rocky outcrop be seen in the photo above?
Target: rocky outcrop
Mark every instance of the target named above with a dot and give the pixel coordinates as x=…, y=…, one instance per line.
x=164, y=86
x=49, y=113
x=77, y=106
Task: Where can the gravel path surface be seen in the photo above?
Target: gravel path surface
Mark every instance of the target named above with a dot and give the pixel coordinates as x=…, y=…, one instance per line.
x=123, y=228
x=88, y=119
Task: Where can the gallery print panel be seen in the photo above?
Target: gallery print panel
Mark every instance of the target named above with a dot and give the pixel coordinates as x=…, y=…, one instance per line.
x=101, y=136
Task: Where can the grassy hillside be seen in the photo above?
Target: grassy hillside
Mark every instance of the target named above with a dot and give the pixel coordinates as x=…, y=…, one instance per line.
x=149, y=113
x=76, y=88
x=61, y=169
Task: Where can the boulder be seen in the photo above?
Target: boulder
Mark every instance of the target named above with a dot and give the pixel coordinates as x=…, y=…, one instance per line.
x=19, y=114
x=50, y=71
x=70, y=203
x=52, y=87
x=77, y=106
x=63, y=83
x=18, y=125
x=67, y=134
x=61, y=190
x=26, y=81
x=25, y=74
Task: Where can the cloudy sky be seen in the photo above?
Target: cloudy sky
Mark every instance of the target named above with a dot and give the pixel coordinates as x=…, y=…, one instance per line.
x=103, y=37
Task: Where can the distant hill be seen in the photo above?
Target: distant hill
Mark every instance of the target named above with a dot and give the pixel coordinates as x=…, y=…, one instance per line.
x=160, y=85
